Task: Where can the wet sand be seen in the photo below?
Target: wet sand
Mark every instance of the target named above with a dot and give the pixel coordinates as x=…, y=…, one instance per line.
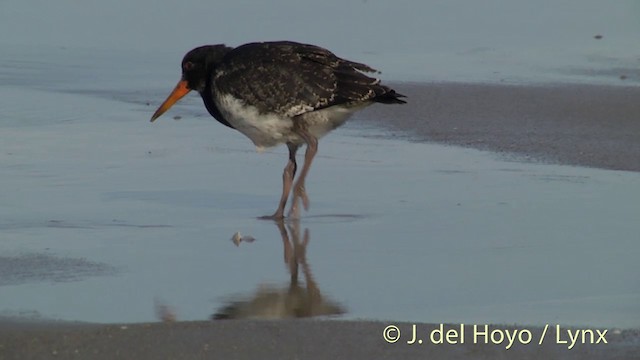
x=303, y=339
x=585, y=125
x=580, y=125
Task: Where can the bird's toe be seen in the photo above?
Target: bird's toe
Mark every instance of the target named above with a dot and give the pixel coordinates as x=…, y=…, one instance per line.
x=278, y=215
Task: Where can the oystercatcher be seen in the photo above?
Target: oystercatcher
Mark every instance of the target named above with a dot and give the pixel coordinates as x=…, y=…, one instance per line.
x=279, y=92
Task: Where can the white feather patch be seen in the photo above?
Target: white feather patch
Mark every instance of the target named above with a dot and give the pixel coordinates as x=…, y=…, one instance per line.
x=270, y=129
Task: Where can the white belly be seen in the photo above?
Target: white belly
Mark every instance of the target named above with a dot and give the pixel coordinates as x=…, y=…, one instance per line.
x=267, y=130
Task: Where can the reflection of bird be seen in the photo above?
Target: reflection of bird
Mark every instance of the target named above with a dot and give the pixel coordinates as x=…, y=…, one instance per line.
x=164, y=312
x=293, y=301
x=279, y=93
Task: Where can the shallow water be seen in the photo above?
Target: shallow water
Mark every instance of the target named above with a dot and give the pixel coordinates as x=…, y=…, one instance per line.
x=103, y=215
x=462, y=40
x=398, y=230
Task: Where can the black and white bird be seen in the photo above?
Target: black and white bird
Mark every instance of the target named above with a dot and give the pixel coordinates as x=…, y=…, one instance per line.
x=280, y=92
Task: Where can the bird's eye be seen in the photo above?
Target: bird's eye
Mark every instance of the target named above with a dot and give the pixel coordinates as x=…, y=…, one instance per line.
x=187, y=66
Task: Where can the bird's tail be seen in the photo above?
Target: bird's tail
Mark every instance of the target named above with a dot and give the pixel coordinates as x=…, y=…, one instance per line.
x=389, y=96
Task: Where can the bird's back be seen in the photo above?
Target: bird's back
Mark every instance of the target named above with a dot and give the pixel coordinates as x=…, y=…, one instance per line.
x=291, y=79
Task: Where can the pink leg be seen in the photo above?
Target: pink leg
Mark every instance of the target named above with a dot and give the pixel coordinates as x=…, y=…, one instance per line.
x=289, y=253
x=299, y=189
x=287, y=180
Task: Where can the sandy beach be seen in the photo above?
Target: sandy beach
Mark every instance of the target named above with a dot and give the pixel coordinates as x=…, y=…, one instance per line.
x=300, y=339
x=584, y=125
x=504, y=194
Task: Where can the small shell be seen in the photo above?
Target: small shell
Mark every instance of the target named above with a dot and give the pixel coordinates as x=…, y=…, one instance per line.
x=237, y=238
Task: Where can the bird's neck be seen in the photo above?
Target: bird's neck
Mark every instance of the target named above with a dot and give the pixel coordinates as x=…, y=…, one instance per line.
x=208, y=97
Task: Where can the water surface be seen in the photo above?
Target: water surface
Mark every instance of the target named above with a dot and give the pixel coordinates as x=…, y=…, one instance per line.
x=110, y=215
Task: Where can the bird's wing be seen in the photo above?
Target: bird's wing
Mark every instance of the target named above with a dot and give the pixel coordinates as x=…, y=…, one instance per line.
x=291, y=79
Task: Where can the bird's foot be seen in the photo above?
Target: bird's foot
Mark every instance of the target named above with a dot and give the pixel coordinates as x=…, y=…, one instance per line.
x=298, y=194
x=294, y=211
x=277, y=216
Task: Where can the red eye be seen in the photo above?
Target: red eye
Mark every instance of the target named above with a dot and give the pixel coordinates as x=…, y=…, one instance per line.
x=187, y=66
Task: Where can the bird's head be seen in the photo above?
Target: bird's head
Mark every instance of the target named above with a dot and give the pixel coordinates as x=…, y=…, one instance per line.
x=197, y=66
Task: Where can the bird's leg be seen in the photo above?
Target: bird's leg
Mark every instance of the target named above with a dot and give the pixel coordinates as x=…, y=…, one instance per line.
x=287, y=180
x=298, y=189
x=289, y=253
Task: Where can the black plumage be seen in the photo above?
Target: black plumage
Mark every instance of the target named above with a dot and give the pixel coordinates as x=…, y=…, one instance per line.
x=290, y=78
x=280, y=92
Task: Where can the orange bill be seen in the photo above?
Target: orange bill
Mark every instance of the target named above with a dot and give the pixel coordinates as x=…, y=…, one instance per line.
x=178, y=93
